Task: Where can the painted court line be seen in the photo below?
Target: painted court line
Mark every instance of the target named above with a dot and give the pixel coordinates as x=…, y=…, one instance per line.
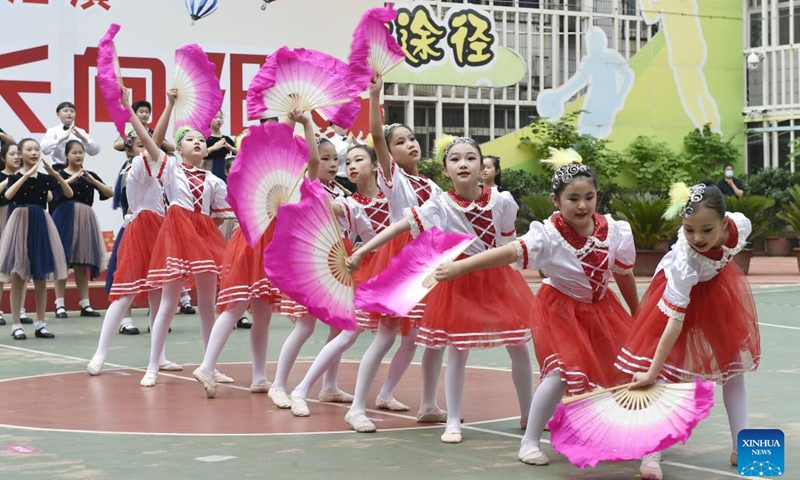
x=777, y=326
x=467, y=426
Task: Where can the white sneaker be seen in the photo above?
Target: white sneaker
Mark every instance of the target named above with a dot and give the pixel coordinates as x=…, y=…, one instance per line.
x=359, y=422
x=95, y=366
x=149, y=379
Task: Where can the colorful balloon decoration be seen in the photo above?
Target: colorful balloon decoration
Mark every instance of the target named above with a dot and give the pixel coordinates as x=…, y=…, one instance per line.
x=200, y=8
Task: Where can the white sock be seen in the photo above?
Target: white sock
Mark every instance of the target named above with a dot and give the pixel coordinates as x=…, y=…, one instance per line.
x=39, y=324
x=15, y=326
x=454, y=377
x=111, y=324
x=186, y=299
x=545, y=401
x=303, y=329
x=84, y=303
x=126, y=320
x=522, y=375
x=431, y=370
x=400, y=362
x=734, y=395
x=377, y=350
x=59, y=303
x=331, y=354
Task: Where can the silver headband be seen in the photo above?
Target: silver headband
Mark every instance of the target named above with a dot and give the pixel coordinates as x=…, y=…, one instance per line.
x=695, y=196
x=456, y=141
x=387, y=129
x=566, y=173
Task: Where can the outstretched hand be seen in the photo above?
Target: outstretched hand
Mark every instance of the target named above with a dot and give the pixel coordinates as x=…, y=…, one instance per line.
x=297, y=115
x=376, y=84
x=353, y=262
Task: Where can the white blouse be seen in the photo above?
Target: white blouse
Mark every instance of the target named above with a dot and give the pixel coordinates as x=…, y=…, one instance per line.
x=366, y=217
x=403, y=190
x=192, y=188
x=576, y=265
x=491, y=218
x=143, y=190
x=684, y=266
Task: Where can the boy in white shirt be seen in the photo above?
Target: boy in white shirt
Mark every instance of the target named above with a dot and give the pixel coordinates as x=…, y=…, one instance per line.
x=56, y=137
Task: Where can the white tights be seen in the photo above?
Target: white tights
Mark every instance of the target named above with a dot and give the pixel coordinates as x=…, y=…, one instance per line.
x=170, y=293
x=734, y=396
x=114, y=315
x=380, y=346
x=330, y=354
x=303, y=329
x=545, y=400
x=521, y=373
x=259, y=337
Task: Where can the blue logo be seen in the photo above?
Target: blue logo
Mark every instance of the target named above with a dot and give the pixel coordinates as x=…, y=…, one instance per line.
x=761, y=453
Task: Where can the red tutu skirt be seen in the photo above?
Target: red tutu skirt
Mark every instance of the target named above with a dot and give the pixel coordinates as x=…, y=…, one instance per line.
x=134, y=254
x=579, y=339
x=371, y=267
x=482, y=309
x=719, y=339
x=243, y=276
x=188, y=243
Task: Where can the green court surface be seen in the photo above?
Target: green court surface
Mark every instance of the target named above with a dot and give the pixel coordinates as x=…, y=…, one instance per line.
x=321, y=446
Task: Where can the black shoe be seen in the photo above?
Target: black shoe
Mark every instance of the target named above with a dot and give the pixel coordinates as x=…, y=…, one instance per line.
x=128, y=329
x=89, y=312
x=19, y=334
x=168, y=331
x=188, y=309
x=44, y=333
x=26, y=320
x=244, y=322
x=61, y=312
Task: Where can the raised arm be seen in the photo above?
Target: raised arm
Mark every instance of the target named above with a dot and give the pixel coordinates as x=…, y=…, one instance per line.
x=53, y=138
x=376, y=126
x=141, y=131
x=6, y=138
x=496, y=257
x=160, y=132
x=304, y=119
x=105, y=190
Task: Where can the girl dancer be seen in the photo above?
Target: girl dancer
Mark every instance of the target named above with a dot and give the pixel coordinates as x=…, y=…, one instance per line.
x=9, y=165
x=364, y=214
x=135, y=244
x=189, y=242
x=482, y=309
x=398, y=153
x=79, y=228
x=490, y=173
x=244, y=282
x=698, y=318
x=30, y=247
x=578, y=325
x=323, y=163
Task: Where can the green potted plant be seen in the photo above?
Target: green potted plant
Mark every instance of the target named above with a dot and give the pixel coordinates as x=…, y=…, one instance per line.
x=757, y=209
x=775, y=183
x=791, y=215
x=534, y=208
x=650, y=230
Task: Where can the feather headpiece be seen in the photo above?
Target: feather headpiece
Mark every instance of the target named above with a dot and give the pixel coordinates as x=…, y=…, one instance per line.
x=566, y=163
x=681, y=199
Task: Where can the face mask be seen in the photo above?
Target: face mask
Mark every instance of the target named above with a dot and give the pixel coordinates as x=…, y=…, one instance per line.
x=729, y=173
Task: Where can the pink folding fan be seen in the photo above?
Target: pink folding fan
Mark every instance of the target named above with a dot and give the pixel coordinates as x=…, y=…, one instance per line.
x=110, y=79
x=199, y=94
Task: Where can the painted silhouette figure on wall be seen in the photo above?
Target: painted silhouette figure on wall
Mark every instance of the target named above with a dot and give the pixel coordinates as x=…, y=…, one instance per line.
x=687, y=52
x=608, y=79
